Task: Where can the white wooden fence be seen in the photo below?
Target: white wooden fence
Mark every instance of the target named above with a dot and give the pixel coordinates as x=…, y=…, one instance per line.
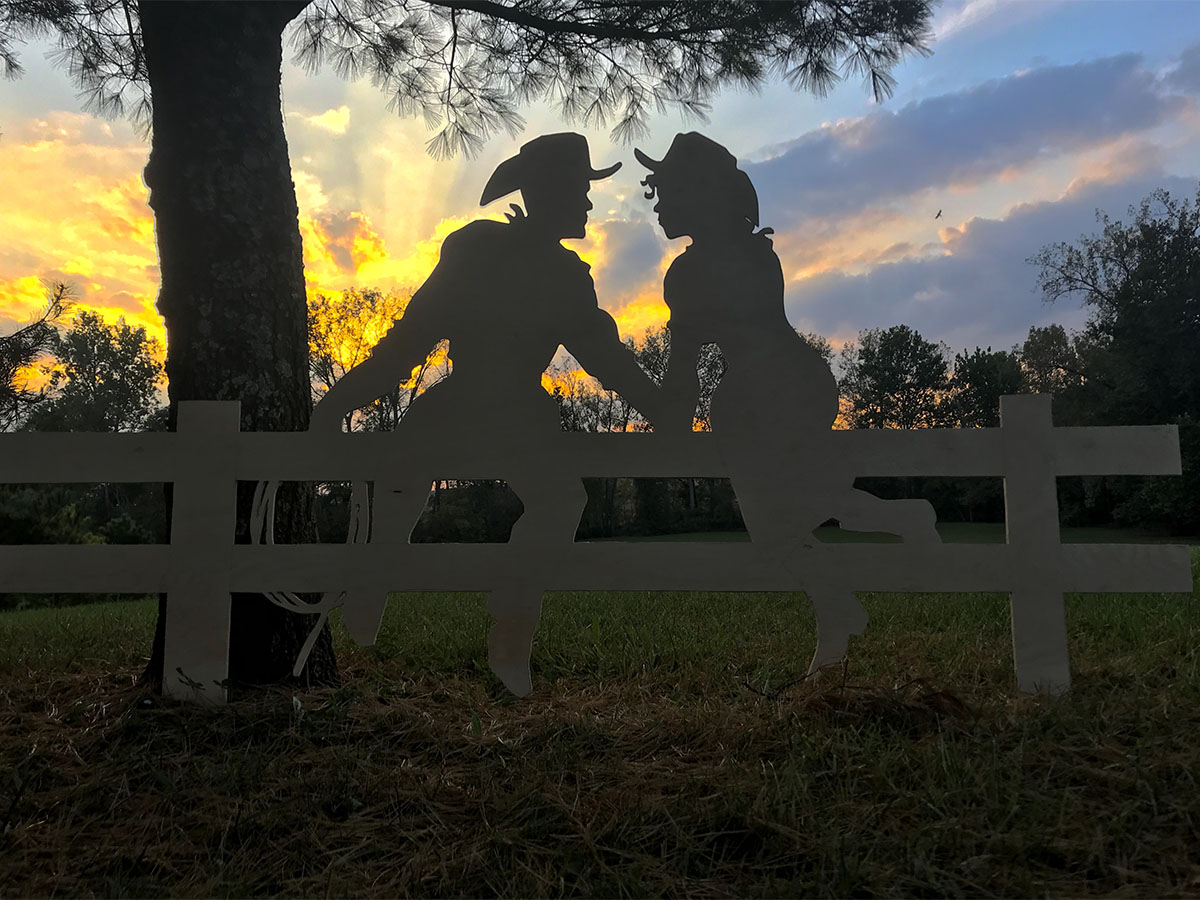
x=208, y=454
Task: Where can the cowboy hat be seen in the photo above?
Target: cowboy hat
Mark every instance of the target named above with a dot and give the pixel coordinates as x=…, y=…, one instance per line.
x=549, y=158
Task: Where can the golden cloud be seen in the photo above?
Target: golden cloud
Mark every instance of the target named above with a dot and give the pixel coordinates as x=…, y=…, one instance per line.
x=635, y=308
x=345, y=249
x=22, y=298
x=646, y=311
x=75, y=210
x=335, y=121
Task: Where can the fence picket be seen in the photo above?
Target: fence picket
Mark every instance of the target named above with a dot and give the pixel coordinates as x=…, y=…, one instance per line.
x=203, y=519
x=1031, y=524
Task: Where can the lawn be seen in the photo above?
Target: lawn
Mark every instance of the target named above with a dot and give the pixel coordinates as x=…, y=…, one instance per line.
x=671, y=747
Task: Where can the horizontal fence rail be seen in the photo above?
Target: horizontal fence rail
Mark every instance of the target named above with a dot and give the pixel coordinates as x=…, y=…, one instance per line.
x=208, y=454
x=39, y=458
x=600, y=566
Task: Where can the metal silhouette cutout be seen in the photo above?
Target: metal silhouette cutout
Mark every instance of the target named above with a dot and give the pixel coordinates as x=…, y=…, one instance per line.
x=777, y=400
x=506, y=295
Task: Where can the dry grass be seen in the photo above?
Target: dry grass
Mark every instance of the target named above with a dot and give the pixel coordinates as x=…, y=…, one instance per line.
x=651, y=760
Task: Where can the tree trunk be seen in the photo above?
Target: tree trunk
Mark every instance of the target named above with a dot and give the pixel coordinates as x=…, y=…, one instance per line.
x=232, y=290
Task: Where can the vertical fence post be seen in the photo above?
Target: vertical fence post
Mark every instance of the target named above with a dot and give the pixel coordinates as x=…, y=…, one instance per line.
x=1039, y=625
x=203, y=519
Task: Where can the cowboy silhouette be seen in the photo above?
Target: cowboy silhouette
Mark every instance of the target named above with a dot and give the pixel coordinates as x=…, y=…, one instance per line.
x=772, y=411
x=505, y=295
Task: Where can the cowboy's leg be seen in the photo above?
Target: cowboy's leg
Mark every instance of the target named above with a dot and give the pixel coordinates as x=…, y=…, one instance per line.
x=547, y=527
x=395, y=510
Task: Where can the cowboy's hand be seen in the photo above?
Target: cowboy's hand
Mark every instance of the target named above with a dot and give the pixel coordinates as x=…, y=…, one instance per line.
x=674, y=414
x=325, y=418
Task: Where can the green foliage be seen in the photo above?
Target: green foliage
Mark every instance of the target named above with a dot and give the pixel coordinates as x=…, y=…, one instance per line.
x=478, y=511
x=37, y=514
x=1168, y=504
x=106, y=379
x=1142, y=282
x=45, y=514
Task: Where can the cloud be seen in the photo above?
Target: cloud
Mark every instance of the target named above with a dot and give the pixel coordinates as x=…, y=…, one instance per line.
x=852, y=203
x=1186, y=76
x=957, y=18
x=335, y=121
x=75, y=210
x=981, y=291
x=850, y=243
x=961, y=139
x=310, y=194
x=68, y=128
x=624, y=255
x=21, y=299
x=344, y=249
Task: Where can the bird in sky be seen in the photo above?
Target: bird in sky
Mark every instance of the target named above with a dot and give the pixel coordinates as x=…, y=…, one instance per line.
x=939, y=214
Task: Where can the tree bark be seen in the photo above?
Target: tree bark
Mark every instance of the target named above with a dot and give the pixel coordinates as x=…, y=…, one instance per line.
x=232, y=290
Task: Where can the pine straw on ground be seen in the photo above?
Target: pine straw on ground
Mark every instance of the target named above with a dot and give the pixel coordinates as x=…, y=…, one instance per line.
x=440, y=787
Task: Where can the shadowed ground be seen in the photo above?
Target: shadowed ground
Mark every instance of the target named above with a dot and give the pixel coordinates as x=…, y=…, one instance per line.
x=670, y=747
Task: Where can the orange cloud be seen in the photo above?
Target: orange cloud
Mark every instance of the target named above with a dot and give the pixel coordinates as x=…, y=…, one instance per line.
x=345, y=249
x=646, y=311
x=851, y=244
x=75, y=210
x=1120, y=159
x=22, y=298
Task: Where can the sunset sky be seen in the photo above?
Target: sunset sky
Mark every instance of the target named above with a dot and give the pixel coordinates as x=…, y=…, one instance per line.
x=1027, y=117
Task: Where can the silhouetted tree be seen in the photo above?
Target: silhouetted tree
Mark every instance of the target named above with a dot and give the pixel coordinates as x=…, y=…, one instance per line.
x=21, y=350
x=583, y=403
x=232, y=291
x=818, y=343
x=981, y=378
x=894, y=378
x=1138, y=359
x=105, y=378
x=343, y=330
x=1050, y=361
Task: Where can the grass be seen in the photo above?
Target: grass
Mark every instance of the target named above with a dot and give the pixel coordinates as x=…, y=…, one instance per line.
x=671, y=747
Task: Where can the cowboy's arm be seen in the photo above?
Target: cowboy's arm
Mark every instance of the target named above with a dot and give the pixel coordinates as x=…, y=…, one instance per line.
x=597, y=347
x=681, y=383
x=403, y=348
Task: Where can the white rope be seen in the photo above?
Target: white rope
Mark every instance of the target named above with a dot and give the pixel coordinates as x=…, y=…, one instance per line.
x=262, y=530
